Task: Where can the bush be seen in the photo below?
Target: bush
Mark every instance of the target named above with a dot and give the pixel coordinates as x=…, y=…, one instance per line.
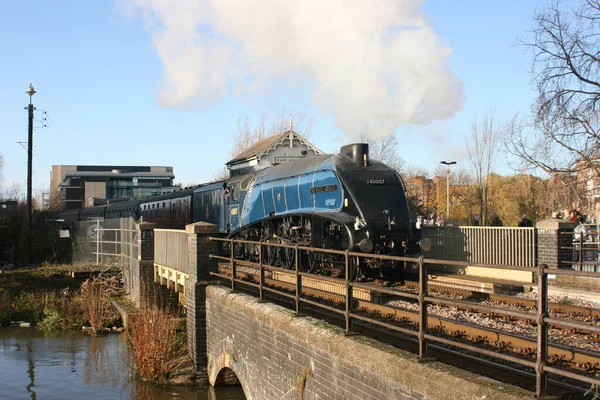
x=28, y=307
x=63, y=312
x=96, y=295
x=5, y=307
x=154, y=344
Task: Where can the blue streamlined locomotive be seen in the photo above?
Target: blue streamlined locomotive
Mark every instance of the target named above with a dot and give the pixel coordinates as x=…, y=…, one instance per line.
x=336, y=201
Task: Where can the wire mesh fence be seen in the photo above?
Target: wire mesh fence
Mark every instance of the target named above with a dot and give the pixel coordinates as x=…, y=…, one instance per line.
x=106, y=242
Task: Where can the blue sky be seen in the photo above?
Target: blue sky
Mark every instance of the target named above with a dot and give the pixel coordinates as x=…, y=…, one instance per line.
x=100, y=77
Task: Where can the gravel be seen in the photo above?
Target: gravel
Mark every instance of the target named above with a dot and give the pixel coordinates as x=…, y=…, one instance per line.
x=567, y=337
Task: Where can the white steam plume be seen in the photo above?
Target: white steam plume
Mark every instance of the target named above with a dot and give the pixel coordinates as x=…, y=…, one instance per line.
x=373, y=65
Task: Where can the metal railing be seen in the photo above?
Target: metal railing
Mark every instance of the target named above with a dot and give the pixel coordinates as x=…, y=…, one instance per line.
x=584, y=248
x=423, y=332
x=171, y=249
x=483, y=244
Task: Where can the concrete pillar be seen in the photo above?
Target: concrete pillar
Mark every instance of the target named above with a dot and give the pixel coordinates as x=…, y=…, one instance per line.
x=200, y=265
x=143, y=276
x=552, y=235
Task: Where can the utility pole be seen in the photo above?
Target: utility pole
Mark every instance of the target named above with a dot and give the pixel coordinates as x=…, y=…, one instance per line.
x=30, y=91
x=448, y=164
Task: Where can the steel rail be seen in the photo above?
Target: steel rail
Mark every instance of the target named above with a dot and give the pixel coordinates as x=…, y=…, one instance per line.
x=554, y=307
x=384, y=324
x=393, y=292
x=474, y=349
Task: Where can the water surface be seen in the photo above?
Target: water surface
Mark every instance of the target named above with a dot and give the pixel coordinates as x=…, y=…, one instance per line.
x=39, y=366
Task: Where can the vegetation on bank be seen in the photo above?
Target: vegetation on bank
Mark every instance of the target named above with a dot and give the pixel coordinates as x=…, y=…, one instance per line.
x=155, y=344
x=51, y=299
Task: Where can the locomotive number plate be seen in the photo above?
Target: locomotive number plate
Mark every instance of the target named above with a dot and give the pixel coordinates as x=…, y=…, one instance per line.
x=375, y=181
x=322, y=189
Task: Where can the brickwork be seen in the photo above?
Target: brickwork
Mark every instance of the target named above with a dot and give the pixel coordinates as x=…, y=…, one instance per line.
x=199, y=247
x=200, y=265
x=277, y=356
x=196, y=323
x=142, y=276
x=552, y=235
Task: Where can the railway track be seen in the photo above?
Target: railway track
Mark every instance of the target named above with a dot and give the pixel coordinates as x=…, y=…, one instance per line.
x=492, y=340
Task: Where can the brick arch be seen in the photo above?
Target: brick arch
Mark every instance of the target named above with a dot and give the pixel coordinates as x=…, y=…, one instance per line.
x=223, y=364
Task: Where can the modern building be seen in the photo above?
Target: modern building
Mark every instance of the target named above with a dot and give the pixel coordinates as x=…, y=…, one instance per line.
x=75, y=186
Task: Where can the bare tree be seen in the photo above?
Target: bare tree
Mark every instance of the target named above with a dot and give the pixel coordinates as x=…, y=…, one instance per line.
x=562, y=135
x=221, y=175
x=247, y=133
x=13, y=191
x=482, y=147
x=1, y=166
x=420, y=190
x=387, y=151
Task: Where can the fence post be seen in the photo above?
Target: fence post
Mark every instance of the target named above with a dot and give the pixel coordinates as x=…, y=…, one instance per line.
x=298, y=282
x=262, y=273
x=422, y=308
x=542, y=332
x=348, y=293
x=232, y=261
x=581, y=251
x=97, y=242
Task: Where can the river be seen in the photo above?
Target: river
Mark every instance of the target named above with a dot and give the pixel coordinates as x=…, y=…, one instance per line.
x=38, y=366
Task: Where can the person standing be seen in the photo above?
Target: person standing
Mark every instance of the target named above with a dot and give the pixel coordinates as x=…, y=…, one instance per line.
x=579, y=238
x=525, y=222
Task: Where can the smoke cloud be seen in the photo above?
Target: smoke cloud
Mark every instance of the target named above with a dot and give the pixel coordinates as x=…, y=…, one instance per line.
x=372, y=65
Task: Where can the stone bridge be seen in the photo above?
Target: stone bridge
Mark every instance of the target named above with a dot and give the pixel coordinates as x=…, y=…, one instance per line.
x=274, y=354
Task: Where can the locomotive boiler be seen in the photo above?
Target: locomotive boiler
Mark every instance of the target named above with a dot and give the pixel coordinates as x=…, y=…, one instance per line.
x=340, y=201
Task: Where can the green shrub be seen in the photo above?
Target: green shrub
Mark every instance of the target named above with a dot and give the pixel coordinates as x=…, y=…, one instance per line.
x=5, y=307
x=28, y=307
x=51, y=321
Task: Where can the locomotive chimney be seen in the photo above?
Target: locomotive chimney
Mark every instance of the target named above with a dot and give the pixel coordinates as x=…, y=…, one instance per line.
x=357, y=152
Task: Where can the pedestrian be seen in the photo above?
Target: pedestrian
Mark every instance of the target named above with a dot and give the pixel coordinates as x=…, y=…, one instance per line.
x=579, y=238
x=525, y=222
x=496, y=221
x=574, y=215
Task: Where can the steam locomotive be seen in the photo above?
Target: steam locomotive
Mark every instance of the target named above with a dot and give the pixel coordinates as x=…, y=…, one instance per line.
x=333, y=201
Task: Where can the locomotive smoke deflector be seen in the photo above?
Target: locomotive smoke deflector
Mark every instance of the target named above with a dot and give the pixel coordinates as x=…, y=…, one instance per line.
x=357, y=152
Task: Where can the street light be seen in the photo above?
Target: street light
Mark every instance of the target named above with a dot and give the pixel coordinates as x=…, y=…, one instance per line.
x=30, y=91
x=448, y=164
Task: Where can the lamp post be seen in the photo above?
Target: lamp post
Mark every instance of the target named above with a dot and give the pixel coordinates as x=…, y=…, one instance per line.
x=30, y=91
x=448, y=164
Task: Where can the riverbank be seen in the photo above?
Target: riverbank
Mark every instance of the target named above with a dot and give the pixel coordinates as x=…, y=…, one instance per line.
x=50, y=297
x=47, y=295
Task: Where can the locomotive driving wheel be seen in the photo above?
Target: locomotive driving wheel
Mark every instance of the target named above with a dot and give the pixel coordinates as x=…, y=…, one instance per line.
x=288, y=257
x=271, y=255
x=314, y=261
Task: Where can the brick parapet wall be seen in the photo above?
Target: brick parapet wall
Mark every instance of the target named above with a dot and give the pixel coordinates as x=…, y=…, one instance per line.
x=271, y=353
x=200, y=265
x=199, y=247
x=142, y=274
x=552, y=236
x=196, y=323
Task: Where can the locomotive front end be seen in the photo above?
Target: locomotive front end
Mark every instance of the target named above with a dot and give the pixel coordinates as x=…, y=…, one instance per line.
x=377, y=199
